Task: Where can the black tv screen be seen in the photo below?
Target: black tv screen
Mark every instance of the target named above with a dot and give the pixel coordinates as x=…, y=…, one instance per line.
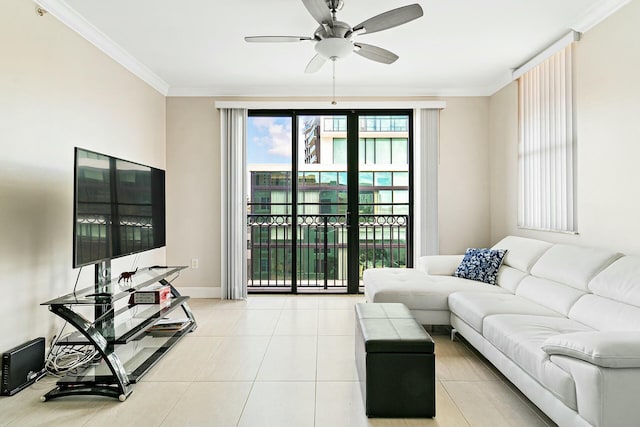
x=119, y=208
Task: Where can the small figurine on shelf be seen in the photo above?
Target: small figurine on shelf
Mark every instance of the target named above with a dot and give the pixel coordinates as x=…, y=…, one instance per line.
x=127, y=275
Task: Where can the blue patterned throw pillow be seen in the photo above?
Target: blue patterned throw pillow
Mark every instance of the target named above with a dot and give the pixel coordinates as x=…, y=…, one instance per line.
x=481, y=264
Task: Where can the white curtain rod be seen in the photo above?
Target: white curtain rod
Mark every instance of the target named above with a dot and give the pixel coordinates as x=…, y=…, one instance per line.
x=572, y=36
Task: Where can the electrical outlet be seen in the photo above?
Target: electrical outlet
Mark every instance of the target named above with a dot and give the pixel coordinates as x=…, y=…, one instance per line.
x=194, y=263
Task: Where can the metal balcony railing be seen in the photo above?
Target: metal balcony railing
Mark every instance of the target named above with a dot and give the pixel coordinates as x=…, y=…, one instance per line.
x=321, y=250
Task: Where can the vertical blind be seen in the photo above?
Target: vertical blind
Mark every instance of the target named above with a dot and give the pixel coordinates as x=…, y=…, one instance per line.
x=233, y=122
x=426, y=190
x=547, y=146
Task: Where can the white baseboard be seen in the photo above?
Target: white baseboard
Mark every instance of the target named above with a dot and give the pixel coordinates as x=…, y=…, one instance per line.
x=200, y=291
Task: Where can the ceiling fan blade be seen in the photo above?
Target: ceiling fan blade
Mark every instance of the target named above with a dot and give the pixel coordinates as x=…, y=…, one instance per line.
x=375, y=53
x=319, y=10
x=275, y=39
x=390, y=19
x=315, y=64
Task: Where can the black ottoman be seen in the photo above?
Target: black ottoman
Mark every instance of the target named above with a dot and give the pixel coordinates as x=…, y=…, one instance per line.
x=395, y=362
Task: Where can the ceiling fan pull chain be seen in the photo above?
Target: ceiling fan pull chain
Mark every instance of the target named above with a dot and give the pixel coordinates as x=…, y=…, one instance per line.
x=333, y=61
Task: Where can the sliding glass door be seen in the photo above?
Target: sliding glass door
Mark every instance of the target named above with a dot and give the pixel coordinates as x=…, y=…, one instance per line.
x=348, y=208
x=270, y=231
x=322, y=204
x=384, y=197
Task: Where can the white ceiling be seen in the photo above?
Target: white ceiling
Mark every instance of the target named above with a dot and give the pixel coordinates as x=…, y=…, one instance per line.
x=196, y=47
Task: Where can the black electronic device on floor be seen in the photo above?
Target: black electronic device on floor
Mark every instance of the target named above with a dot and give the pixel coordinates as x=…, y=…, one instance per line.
x=22, y=366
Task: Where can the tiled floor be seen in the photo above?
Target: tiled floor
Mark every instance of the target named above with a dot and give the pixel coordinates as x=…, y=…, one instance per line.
x=276, y=361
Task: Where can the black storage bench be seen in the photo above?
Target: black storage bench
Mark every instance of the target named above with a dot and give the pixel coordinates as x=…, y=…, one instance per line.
x=395, y=362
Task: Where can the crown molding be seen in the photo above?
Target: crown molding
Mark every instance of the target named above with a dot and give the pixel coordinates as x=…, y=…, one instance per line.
x=72, y=19
x=306, y=92
x=501, y=82
x=598, y=13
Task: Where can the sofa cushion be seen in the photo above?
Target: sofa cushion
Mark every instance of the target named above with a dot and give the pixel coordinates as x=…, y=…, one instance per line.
x=509, y=277
x=522, y=253
x=480, y=264
x=605, y=314
x=553, y=295
x=620, y=281
x=520, y=338
x=572, y=265
x=473, y=307
x=416, y=289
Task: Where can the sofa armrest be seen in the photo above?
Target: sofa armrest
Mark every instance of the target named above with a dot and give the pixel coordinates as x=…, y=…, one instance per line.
x=608, y=349
x=441, y=265
x=605, y=397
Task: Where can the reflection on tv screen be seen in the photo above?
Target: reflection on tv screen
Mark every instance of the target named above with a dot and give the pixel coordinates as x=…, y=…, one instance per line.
x=119, y=208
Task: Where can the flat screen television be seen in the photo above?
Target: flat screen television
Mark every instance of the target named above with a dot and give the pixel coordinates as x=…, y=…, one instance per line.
x=119, y=208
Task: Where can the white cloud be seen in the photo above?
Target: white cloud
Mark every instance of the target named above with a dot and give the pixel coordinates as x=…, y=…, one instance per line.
x=278, y=138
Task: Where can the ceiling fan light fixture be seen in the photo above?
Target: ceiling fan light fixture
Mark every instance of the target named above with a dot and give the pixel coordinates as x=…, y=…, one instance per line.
x=334, y=39
x=334, y=48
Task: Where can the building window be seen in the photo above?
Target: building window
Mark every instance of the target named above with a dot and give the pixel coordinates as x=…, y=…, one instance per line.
x=335, y=124
x=400, y=150
x=382, y=179
x=547, y=146
x=339, y=151
x=384, y=124
x=384, y=151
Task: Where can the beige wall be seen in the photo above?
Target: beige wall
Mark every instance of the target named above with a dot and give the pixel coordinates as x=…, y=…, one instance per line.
x=463, y=175
x=503, y=161
x=193, y=189
x=193, y=163
x=57, y=91
x=607, y=66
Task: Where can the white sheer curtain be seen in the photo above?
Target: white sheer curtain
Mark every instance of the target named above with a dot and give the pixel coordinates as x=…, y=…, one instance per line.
x=547, y=146
x=233, y=123
x=426, y=182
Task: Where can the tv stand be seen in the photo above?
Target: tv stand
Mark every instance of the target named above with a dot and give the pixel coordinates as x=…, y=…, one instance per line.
x=119, y=332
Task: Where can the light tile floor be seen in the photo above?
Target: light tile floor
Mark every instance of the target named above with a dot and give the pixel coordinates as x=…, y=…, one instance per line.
x=276, y=361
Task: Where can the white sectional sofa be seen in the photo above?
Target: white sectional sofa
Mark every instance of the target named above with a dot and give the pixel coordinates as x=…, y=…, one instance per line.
x=562, y=323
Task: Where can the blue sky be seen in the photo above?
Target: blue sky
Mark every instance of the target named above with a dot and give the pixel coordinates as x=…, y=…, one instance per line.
x=269, y=140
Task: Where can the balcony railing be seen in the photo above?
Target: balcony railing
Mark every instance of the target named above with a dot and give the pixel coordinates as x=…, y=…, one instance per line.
x=321, y=251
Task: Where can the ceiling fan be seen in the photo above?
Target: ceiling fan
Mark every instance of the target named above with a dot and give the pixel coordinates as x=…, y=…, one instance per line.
x=334, y=39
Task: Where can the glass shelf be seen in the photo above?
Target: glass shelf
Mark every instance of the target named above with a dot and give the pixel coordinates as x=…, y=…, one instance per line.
x=113, y=290
x=127, y=323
